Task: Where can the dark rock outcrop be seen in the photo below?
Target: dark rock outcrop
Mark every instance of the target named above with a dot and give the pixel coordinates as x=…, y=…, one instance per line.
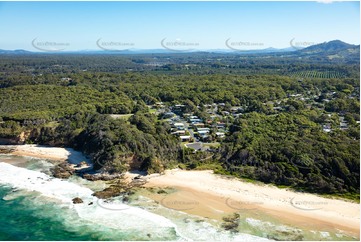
x=63, y=170
x=77, y=200
x=231, y=222
x=120, y=187
x=6, y=150
x=109, y=192
x=82, y=164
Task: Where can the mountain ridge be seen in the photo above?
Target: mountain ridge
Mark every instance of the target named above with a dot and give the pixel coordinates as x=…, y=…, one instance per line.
x=331, y=47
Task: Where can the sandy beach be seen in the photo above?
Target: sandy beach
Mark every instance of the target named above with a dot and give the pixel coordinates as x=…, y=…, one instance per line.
x=46, y=152
x=213, y=196
x=206, y=194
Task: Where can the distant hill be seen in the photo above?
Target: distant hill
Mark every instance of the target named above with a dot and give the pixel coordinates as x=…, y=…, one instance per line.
x=14, y=52
x=332, y=46
x=332, y=51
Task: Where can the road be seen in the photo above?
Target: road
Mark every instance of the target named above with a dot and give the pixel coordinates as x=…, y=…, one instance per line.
x=186, y=127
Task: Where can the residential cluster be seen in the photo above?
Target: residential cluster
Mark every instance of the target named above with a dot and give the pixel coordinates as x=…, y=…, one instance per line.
x=198, y=132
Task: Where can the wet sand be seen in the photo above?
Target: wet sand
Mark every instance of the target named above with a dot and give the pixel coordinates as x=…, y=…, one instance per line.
x=208, y=195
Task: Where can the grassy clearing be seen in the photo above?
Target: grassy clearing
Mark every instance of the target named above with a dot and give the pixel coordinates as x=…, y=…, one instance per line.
x=52, y=124
x=152, y=110
x=121, y=116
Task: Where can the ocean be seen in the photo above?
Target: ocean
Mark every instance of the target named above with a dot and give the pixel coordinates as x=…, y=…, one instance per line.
x=36, y=206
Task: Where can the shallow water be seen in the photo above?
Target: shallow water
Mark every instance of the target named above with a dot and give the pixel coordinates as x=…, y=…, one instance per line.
x=35, y=206
x=252, y=221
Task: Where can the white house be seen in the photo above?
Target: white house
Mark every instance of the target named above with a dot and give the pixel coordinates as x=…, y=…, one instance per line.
x=220, y=134
x=185, y=138
x=179, y=126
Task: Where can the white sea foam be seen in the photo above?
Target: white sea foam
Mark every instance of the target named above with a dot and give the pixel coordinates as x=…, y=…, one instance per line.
x=324, y=234
x=133, y=221
x=22, y=178
x=195, y=227
x=16, y=193
x=64, y=192
x=204, y=231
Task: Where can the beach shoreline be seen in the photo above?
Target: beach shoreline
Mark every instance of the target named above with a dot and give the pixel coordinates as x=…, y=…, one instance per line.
x=46, y=152
x=209, y=195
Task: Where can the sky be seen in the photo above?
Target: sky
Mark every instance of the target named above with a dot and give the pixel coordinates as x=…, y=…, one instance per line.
x=72, y=26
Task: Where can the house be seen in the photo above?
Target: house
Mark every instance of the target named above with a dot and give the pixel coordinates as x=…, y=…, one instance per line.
x=343, y=123
x=159, y=105
x=66, y=79
x=178, y=109
x=185, y=138
x=179, y=126
x=179, y=132
x=221, y=125
x=195, y=120
x=196, y=125
x=202, y=129
x=220, y=134
x=237, y=110
x=168, y=115
x=326, y=128
x=205, y=138
x=203, y=133
x=295, y=95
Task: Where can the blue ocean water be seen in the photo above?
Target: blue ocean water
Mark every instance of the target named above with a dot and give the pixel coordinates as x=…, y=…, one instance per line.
x=21, y=220
x=31, y=209
x=35, y=206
